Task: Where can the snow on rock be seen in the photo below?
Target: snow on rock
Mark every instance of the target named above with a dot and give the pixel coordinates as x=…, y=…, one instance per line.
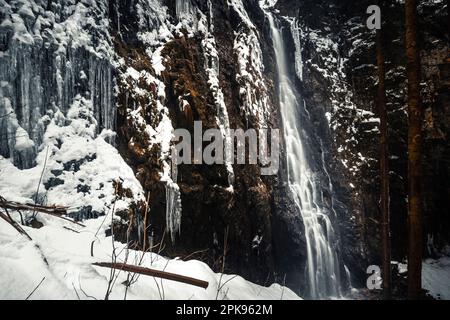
x=253, y=90
x=23, y=141
x=78, y=167
x=296, y=32
x=63, y=258
x=212, y=70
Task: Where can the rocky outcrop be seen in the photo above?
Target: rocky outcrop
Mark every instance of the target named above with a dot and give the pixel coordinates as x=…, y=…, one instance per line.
x=218, y=223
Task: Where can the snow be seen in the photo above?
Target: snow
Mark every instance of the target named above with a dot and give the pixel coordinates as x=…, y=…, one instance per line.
x=212, y=71
x=61, y=39
x=72, y=140
x=253, y=93
x=238, y=6
x=266, y=4
x=436, y=277
x=23, y=141
x=157, y=61
x=63, y=258
x=296, y=35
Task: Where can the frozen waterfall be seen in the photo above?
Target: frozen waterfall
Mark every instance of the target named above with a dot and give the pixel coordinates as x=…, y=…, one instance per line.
x=42, y=70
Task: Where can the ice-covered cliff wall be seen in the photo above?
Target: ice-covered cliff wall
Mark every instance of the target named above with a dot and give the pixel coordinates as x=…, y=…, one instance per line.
x=50, y=52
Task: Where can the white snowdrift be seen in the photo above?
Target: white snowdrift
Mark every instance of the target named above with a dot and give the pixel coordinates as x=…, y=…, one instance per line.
x=436, y=277
x=63, y=257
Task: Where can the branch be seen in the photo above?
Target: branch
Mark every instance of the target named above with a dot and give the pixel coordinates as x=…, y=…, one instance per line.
x=56, y=211
x=15, y=225
x=154, y=273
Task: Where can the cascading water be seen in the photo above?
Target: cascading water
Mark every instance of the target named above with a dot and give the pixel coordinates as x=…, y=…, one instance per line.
x=323, y=267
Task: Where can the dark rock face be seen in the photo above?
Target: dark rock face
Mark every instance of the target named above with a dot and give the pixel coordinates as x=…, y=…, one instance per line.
x=354, y=147
x=217, y=226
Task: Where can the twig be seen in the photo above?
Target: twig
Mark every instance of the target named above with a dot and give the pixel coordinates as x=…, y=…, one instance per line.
x=5, y=115
x=81, y=288
x=194, y=253
x=76, y=292
x=70, y=229
x=31, y=293
x=67, y=219
x=225, y=240
x=223, y=285
x=15, y=225
x=265, y=285
x=21, y=217
x=145, y=223
x=113, y=256
x=284, y=285
x=40, y=180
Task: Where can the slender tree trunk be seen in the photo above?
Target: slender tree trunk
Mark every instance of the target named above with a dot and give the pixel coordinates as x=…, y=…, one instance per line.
x=448, y=20
x=415, y=115
x=384, y=170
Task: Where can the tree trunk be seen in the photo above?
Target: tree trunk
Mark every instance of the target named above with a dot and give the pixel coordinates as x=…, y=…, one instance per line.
x=448, y=20
x=384, y=170
x=415, y=115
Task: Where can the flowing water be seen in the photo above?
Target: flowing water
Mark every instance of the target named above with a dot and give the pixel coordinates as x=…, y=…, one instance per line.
x=323, y=269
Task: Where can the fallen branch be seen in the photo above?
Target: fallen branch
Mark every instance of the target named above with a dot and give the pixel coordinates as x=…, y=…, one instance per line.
x=154, y=273
x=56, y=211
x=15, y=225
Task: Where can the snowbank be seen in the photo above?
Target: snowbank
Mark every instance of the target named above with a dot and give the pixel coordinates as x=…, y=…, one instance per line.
x=436, y=277
x=63, y=257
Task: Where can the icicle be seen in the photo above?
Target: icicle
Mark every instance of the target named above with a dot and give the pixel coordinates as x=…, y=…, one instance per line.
x=185, y=10
x=296, y=35
x=173, y=204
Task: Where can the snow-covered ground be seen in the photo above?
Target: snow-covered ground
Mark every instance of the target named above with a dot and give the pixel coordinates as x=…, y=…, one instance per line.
x=76, y=167
x=436, y=277
x=63, y=258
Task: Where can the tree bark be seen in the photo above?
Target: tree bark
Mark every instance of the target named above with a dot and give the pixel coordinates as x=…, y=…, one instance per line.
x=384, y=169
x=415, y=115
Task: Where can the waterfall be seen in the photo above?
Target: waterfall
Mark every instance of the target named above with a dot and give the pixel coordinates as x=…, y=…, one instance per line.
x=323, y=267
